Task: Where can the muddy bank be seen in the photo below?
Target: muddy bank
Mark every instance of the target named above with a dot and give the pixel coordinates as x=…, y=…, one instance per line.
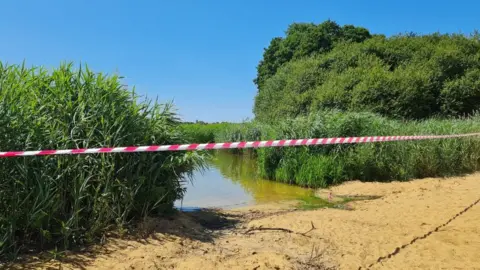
x=422, y=224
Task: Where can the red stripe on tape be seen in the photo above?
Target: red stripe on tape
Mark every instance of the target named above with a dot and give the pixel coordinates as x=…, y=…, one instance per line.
x=12, y=154
x=47, y=152
x=192, y=146
x=174, y=147
x=149, y=149
x=210, y=146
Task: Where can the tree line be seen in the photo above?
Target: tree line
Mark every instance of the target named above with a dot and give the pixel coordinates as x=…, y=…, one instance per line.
x=406, y=76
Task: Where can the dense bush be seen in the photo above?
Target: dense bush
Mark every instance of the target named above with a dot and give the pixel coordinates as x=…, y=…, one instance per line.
x=67, y=200
x=404, y=76
x=305, y=39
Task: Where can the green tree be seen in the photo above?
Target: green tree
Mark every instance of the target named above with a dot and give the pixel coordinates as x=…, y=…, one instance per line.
x=305, y=39
x=406, y=76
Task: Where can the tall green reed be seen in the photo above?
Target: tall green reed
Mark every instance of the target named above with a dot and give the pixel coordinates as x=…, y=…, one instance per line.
x=203, y=132
x=321, y=166
x=69, y=200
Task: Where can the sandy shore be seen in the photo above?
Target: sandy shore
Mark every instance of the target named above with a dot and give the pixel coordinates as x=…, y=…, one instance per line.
x=413, y=225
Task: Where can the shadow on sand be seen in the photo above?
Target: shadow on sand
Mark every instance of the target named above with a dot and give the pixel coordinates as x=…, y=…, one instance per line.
x=203, y=225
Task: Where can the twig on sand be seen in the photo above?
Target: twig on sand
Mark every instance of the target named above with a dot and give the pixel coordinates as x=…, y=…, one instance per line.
x=311, y=229
x=249, y=231
x=268, y=229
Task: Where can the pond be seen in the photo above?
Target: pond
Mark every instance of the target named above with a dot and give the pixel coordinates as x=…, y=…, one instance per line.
x=231, y=181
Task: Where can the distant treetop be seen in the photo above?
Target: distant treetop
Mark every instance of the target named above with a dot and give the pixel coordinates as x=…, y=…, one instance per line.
x=305, y=39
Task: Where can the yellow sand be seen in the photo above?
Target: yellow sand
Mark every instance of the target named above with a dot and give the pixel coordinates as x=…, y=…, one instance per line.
x=341, y=239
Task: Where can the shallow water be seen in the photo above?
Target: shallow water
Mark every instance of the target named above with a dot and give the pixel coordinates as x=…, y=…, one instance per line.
x=231, y=181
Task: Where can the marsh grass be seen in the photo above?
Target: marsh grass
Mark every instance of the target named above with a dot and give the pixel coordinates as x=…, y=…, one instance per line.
x=322, y=166
x=63, y=201
x=203, y=132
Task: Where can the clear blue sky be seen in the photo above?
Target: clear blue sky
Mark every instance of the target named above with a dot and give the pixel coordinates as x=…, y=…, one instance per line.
x=201, y=54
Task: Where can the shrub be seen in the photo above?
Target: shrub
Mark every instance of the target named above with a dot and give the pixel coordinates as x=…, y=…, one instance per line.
x=403, y=77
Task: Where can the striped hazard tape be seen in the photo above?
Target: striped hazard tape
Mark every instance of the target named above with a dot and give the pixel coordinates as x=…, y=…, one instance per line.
x=231, y=145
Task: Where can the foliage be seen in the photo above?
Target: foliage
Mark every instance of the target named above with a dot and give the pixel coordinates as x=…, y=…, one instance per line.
x=305, y=39
x=68, y=200
x=203, y=132
x=404, y=76
x=321, y=166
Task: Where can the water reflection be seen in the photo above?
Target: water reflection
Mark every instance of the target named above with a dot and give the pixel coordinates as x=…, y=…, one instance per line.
x=231, y=180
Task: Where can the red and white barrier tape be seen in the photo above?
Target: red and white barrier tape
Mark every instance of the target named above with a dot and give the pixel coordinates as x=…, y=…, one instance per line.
x=230, y=145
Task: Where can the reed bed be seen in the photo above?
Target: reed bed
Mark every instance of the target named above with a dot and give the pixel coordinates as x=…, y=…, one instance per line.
x=64, y=201
x=321, y=166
